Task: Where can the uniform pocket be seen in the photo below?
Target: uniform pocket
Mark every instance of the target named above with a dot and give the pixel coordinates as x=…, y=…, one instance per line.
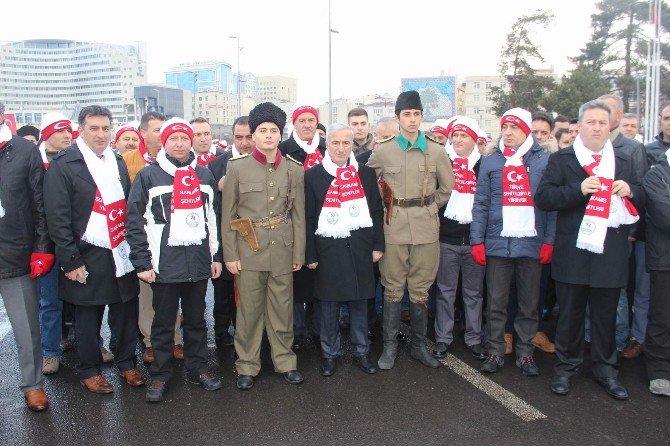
x=251, y=187
x=432, y=172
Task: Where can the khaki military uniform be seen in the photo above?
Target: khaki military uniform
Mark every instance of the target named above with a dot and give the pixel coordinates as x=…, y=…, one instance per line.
x=412, y=239
x=263, y=191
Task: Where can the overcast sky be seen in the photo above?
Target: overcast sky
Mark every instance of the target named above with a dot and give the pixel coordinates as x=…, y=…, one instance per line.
x=379, y=42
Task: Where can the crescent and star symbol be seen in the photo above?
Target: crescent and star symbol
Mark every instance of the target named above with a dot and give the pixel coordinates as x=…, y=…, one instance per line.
x=513, y=177
x=115, y=213
x=60, y=125
x=187, y=181
x=346, y=175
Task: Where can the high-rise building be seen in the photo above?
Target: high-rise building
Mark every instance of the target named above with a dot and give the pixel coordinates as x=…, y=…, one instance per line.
x=201, y=76
x=165, y=99
x=248, y=85
x=277, y=89
x=38, y=76
x=479, y=101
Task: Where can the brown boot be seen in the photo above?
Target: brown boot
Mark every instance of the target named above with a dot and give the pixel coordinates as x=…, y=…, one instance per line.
x=133, y=377
x=509, y=349
x=541, y=341
x=37, y=400
x=632, y=350
x=97, y=384
x=148, y=355
x=178, y=352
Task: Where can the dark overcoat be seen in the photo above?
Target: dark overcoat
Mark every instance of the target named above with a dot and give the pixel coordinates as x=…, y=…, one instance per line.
x=345, y=270
x=560, y=190
x=69, y=193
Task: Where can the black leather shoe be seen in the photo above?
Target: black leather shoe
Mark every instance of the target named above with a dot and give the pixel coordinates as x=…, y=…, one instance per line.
x=613, y=388
x=560, y=385
x=528, y=366
x=440, y=350
x=364, y=363
x=492, y=364
x=155, y=391
x=299, y=343
x=478, y=351
x=245, y=382
x=207, y=380
x=293, y=377
x=327, y=366
x=225, y=340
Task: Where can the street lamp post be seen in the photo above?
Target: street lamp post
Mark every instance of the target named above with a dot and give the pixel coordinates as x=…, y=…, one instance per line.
x=331, y=31
x=239, y=93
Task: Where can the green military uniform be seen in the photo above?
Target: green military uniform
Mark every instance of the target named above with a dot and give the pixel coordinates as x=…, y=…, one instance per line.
x=264, y=191
x=412, y=239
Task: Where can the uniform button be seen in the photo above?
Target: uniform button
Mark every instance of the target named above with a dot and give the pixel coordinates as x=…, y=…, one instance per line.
x=271, y=184
x=273, y=242
x=270, y=169
x=272, y=213
x=272, y=227
x=272, y=198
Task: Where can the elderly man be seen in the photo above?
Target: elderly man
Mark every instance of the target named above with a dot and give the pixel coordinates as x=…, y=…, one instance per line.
x=455, y=219
x=345, y=237
x=27, y=253
x=417, y=180
x=263, y=231
x=85, y=192
x=224, y=287
x=512, y=237
x=630, y=126
x=174, y=245
x=127, y=138
x=307, y=147
x=591, y=185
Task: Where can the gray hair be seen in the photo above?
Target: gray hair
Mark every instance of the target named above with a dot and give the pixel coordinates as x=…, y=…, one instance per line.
x=336, y=128
x=595, y=104
x=615, y=98
x=630, y=116
x=2, y=108
x=386, y=120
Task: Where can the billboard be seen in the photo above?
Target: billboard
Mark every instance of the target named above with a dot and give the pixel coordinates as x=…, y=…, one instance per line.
x=438, y=95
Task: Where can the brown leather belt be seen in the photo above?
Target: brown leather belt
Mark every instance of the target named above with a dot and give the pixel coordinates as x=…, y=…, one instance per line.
x=269, y=222
x=413, y=202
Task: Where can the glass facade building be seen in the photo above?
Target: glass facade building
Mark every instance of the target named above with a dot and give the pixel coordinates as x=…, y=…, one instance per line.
x=201, y=76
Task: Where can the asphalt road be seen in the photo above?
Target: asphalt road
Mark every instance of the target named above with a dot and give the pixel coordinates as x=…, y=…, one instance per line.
x=409, y=405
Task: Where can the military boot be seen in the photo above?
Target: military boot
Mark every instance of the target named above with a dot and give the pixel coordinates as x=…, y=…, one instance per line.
x=390, y=328
x=419, y=321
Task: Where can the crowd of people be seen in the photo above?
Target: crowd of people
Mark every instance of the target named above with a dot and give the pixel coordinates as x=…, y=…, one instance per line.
x=329, y=229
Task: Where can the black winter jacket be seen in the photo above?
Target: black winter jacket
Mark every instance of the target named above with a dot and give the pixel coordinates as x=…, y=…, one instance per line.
x=657, y=189
x=451, y=231
x=23, y=229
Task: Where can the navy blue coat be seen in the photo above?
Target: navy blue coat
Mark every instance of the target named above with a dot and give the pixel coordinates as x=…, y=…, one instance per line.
x=487, y=220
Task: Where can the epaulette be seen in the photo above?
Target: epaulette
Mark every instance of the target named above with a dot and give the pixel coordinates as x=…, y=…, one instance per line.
x=431, y=138
x=289, y=157
x=239, y=157
x=387, y=139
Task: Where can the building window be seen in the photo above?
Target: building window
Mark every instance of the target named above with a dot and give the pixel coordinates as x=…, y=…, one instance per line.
x=489, y=97
x=477, y=85
x=488, y=85
x=476, y=98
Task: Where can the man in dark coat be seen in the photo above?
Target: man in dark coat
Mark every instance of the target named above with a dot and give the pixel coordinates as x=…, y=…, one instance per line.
x=343, y=243
x=591, y=186
x=224, y=287
x=307, y=147
x=657, y=341
x=657, y=148
x=174, y=244
x=85, y=192
x=26, y=254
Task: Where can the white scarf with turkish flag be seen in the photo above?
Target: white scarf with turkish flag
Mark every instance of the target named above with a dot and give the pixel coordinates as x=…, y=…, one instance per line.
x=517, y=202
x=148, y=157
x=43, y=153
x=462, y=198
x=604, y=209
x=345, y=207
x=311, y=148
x=106, y=226
x=187, y=217
x=205, y=158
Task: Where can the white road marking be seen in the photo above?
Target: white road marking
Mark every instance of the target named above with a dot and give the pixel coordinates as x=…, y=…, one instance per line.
x=507, y=399
x=5, y=326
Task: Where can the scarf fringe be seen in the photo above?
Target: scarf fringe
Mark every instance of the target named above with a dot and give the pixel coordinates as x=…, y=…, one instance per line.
x=332, y=234
x=95, y=241
x=461, y=218
x=518, y=233
x=176, y=241
x=598, y=249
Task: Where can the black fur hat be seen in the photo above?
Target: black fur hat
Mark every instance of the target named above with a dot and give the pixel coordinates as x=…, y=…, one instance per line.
x=408, y=100
x=266, y=112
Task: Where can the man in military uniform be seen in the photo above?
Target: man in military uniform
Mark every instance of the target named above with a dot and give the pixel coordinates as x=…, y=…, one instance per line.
x=263, y=232
x=417, y=180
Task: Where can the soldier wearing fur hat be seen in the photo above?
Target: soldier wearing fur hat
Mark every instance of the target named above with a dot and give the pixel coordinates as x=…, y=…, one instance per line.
x=418, y=179
x=263, y=233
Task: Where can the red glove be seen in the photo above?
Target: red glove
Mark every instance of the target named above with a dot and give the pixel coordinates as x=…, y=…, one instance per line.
x=479, y=254
x=40, y=264
x=546, y=253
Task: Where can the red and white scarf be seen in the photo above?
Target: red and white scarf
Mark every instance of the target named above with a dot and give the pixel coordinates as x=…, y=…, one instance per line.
x=311, y=148
x=345, y=207
x=187, y=217
x=462, y=198
x=148, y=157
x=604, y=209
x=5, y=137
x=106, y=226
x=204, y=159
x=43, y=153
x=517, y=202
